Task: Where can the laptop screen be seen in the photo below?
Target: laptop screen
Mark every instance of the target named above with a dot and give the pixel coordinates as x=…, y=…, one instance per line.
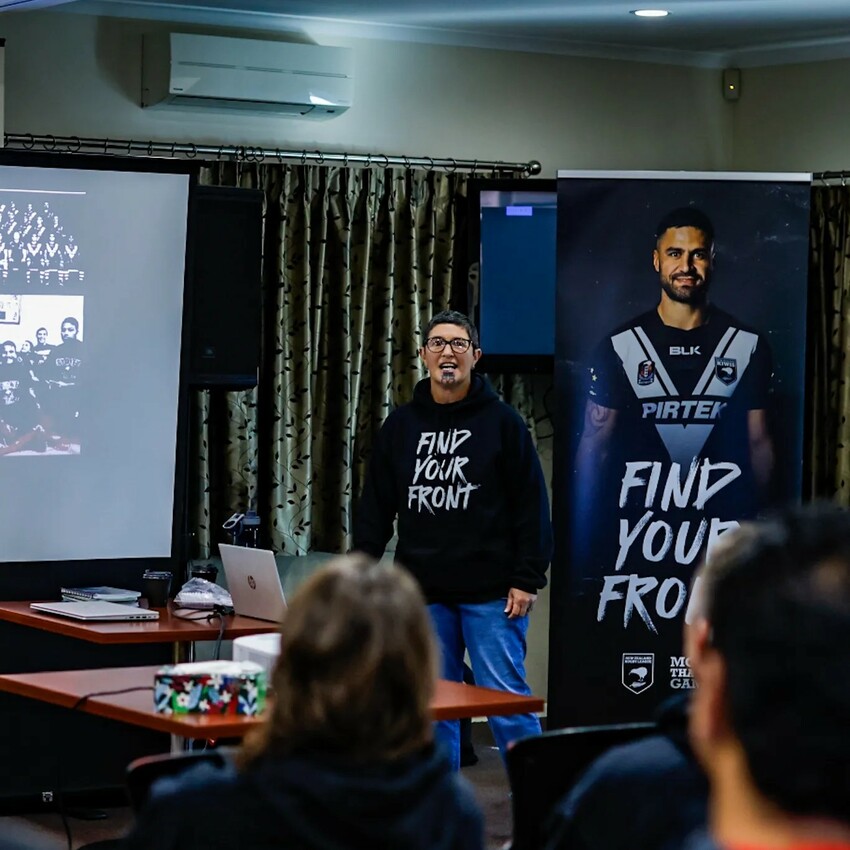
x=253, y=581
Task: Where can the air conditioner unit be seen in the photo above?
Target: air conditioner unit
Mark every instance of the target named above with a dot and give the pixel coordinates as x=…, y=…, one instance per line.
x=211, y=72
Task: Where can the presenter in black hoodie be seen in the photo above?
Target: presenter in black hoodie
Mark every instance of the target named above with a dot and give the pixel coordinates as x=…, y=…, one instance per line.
x=458, y=468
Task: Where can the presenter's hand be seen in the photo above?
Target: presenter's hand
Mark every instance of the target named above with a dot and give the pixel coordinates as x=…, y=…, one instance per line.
x=520, y=602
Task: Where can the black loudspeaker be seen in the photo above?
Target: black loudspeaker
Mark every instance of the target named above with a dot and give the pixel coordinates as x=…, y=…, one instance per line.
x=226, y=229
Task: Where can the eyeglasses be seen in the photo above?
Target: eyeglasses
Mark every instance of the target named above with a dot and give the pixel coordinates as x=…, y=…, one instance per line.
x=436, y=344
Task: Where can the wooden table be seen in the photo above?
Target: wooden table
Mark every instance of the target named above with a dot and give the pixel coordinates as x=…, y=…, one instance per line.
x=169, y=628
x=452, y=701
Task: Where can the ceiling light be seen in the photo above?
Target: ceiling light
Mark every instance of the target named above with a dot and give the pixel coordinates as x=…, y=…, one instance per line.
x=650, y=13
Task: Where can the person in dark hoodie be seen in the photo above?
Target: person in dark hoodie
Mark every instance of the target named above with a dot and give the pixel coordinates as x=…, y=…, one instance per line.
x=346, y=759
x=659, y=776
x=458, y=469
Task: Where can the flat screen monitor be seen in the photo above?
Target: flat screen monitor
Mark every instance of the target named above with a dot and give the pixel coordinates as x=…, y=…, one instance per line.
x=512, y=279
x=92, y=268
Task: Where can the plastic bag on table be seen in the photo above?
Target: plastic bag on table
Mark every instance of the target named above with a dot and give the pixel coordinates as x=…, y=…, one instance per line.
x=202, y=594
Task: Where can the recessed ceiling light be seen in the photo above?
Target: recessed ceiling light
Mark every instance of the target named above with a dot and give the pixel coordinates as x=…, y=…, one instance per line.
x=650, y=13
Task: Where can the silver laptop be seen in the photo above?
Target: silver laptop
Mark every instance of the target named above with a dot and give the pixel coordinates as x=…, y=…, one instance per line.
x=253, y=582
x=95, y=610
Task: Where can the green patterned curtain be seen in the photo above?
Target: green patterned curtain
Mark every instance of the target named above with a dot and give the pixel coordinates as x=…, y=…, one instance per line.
x=353, y=260
x=828, y=408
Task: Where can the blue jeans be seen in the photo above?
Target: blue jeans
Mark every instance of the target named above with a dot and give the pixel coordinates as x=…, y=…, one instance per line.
x=496, y=647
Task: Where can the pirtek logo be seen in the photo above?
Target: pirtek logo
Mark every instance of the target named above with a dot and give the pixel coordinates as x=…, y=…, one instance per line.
x=684, y=351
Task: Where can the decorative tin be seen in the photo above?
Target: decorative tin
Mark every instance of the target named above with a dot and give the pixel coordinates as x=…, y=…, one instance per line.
x=211, y=687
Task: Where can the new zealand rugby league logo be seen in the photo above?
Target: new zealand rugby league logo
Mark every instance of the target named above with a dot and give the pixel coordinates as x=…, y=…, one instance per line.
x=638, y=672
x=726, y=369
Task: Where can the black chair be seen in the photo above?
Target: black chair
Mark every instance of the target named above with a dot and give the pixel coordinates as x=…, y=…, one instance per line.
x=542, y=768
x=142, y=772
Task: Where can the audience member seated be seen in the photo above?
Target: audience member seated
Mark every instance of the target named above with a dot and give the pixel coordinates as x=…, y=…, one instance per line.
x=770, y=651
x=346, y=758
x=649, y=794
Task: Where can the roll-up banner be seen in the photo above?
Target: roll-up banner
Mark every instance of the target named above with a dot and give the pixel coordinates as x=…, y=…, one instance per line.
x=679, y=374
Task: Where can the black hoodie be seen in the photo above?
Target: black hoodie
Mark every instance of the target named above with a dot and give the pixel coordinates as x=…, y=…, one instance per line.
x=465, y=481
x=665, y=790
x=315, y=802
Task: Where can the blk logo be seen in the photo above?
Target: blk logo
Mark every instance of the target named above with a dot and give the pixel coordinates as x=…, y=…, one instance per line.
x=684, y=350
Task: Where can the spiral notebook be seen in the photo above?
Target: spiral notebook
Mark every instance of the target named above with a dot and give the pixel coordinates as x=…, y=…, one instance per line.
x=100, y=593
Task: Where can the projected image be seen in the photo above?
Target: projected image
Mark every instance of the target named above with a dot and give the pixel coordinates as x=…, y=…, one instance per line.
x=38, y=248
x=92, y=266
x=41, y=361
x=40, y=335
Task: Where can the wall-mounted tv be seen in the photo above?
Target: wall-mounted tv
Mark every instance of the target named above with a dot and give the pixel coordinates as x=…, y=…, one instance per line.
x=92, y=266
x=512, y=277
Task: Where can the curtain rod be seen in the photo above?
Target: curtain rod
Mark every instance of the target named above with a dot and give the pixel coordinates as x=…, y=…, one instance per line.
x=247, y=153
x=830, y=175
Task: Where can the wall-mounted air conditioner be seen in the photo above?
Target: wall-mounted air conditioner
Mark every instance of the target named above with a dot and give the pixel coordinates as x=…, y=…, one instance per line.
x=201, y=71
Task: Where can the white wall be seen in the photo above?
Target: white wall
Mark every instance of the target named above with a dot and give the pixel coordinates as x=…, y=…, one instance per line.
x=76, y=75
x=793, y=118
x=68, y=74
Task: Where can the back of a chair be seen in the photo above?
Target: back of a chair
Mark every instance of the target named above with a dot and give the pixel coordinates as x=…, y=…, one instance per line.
x=542, y=768
x=142, y=772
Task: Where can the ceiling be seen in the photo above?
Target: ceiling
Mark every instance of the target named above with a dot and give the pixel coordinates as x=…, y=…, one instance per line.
x=704, y=33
